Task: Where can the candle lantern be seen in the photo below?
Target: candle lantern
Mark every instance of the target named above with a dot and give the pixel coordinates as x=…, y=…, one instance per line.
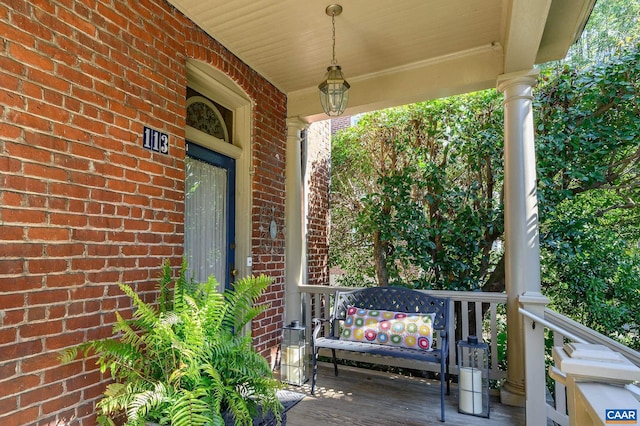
x=473, y=377
x=293, y=360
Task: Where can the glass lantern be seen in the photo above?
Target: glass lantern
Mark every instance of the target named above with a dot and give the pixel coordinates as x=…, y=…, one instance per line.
x=473, y=377
x=293, y=361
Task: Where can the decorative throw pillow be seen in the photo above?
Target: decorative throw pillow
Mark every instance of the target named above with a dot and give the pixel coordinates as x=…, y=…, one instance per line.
x=414, y=331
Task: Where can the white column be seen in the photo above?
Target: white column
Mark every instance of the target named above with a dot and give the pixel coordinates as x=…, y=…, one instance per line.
x=294, y=238
x=522, y=255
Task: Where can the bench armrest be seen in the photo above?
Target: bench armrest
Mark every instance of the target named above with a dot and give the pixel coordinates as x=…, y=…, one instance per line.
x=318, y=324
x=444, y=338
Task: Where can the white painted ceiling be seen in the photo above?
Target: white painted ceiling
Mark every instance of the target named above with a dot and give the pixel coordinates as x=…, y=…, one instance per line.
x=391, y=52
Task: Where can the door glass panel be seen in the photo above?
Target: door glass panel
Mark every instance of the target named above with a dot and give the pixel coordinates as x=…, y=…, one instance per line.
x=206, y=202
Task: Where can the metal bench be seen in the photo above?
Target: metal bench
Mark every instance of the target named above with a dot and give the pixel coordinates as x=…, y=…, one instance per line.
x=396, y=299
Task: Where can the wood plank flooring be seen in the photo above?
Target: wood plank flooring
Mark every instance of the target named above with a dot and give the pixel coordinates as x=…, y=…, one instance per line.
x=368, y=398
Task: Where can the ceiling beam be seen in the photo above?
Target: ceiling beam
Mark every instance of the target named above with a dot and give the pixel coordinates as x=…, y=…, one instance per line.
x=461, y=72
x=567, y=19
x=525, y=28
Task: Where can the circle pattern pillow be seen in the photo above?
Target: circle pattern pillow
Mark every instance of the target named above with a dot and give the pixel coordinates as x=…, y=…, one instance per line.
x=414, y=331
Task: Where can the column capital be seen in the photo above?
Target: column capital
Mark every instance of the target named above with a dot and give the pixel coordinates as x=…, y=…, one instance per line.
x=296, y=124
x=528, y=78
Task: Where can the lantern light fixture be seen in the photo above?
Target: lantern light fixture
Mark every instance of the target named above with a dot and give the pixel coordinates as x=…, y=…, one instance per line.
x=334, y=89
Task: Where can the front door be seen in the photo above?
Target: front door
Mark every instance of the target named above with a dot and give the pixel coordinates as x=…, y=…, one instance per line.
x=210, y=215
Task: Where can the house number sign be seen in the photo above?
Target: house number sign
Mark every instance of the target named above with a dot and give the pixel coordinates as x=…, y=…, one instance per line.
x=155, y=140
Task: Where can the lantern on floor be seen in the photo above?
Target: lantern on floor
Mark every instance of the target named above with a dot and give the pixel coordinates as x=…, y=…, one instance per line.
x=473, y=377
x=293, y=361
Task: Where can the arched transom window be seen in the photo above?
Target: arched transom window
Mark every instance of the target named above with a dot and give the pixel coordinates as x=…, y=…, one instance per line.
x=204, y=115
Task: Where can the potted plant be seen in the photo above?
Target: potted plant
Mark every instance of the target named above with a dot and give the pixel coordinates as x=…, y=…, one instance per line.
x=185, y=360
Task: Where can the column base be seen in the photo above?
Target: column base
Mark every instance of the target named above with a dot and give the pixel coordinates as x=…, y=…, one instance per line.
x=512, y=395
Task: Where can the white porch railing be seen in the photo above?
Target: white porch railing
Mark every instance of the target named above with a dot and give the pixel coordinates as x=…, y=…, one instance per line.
x=482, y=314
x=469, y=313
x=563, y=330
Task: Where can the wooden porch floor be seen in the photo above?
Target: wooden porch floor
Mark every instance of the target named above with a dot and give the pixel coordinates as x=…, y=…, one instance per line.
x=366, y=398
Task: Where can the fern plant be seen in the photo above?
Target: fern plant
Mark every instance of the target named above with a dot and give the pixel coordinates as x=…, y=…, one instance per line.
x=184, y=360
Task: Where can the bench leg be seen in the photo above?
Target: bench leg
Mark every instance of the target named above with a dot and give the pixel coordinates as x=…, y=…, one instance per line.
x=314, y=374
x=443, y=377
x=335, y=362
x=448, y=379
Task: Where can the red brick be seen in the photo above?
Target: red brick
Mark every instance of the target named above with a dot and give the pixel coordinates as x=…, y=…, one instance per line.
x=16, y=351
x=60, y=341
x=11, y=300
x=88, y=235
x=13, y=317
x=22, y=283
x=19, y=384
x=20, y=250
x=139, y=225
x=26, y=184
x=65, y=280
x=71, y=162
x=101, y=332
x=87, y=179
x=105, y=222
x=41, y=394
x=87, y=264
x=103, y=277
x=83, y=322
x=25, y=416
x=56, y=311
x=36, y=313
x=8, y=404
x=89, y=291
x=48, y=234
x=62, y=219
x=7, y=164
x=70, y=133
x=23, y=216
x=47, y=266
x=47, y=297
x=8, y=335
x=39, y=362
x=21, y=38
x=40, y=329
x=83, y=381
x=38, y=170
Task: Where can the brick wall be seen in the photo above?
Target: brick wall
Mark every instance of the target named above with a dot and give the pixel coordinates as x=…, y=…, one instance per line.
x=340, y=123
x=82, y=204
x=317, y=188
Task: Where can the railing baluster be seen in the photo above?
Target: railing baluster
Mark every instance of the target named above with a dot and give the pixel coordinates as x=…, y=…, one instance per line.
x=464, y=308
x=479, y=322
x=451, y=335
x=494, y=337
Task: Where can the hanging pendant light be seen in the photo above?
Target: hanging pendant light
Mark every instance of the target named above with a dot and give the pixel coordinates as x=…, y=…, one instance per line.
x=334, y=89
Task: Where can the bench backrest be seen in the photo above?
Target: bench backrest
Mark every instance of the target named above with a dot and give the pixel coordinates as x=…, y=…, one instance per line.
x=397, y=299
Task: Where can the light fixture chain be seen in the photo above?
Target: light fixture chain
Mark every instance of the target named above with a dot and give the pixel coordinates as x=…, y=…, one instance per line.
x=333, y=25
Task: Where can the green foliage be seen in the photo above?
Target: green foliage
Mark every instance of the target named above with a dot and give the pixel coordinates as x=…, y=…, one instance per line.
x=590, y=273
x=589, y=180
x=424, y=194
x=421, y=203
x=613, y=24
x=185, y=361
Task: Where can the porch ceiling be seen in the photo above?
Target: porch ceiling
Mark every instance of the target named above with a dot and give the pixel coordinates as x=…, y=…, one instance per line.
x=392, y=52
